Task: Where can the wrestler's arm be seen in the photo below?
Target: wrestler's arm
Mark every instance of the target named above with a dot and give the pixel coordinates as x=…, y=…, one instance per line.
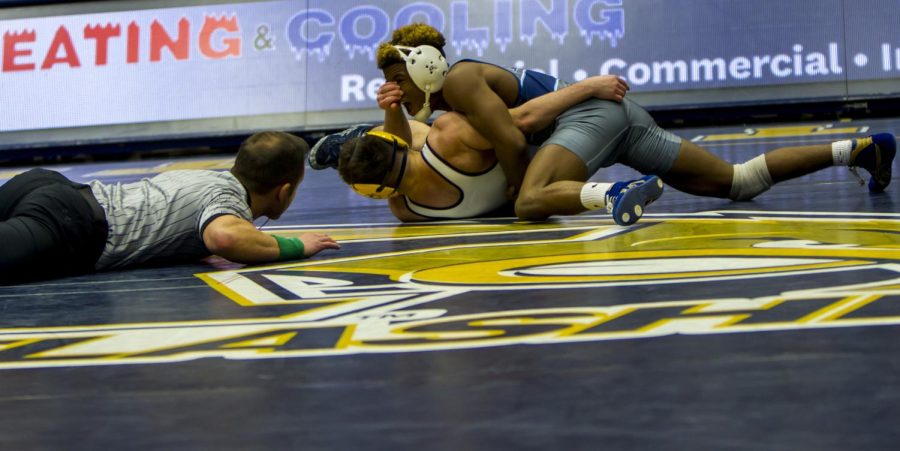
x=539, y=113
x=395, y=120
x=468, y=93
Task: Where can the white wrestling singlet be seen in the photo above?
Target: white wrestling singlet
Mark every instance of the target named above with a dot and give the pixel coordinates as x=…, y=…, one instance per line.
x=480, y=193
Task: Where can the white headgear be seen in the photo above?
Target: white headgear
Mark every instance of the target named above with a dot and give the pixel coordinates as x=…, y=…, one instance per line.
x=428, y=70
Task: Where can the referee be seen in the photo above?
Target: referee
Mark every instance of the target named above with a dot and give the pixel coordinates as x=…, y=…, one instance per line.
x=52, y=227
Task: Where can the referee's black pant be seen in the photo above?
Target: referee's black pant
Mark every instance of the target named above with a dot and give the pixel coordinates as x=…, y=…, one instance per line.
x=49, y=227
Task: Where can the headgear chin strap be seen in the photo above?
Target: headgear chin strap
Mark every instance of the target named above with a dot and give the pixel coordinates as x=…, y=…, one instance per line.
x=428, y=69
x=382, y=191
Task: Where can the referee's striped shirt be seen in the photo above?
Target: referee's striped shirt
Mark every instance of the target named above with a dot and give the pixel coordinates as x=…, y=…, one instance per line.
x=161, y=219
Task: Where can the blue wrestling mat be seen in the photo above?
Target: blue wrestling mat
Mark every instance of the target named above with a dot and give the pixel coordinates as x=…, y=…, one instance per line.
x=711, y=324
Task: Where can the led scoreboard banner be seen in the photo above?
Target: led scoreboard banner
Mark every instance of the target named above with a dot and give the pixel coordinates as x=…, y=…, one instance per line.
x=119, y=71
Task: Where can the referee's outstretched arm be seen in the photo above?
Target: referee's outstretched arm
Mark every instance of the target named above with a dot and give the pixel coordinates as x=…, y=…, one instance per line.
x=236, y=239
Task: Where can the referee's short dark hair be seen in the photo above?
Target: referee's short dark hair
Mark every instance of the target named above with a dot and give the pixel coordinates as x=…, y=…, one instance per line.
x=269, y=159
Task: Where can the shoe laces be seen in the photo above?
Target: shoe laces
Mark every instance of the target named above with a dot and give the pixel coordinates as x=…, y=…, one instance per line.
x=347, y=131
x=355, y=131
x=611, y=195
x=618, y=188
x=855, y=171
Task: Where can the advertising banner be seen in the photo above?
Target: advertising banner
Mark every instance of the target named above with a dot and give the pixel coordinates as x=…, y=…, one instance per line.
x=231, y=60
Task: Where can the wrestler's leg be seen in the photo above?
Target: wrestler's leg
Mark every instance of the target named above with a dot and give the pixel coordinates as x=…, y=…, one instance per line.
x=874, y=153
x=552, y=184
x=587, y=137
x=697, y=171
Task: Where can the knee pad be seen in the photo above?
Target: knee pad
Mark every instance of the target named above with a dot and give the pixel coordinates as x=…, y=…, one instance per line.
x=750, y=179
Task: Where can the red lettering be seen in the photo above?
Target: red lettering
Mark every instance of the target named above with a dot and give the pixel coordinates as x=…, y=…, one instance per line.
x=159, y=38
x=232, y=45
x=102, y=35
x=64, y=41
x=219, y=38
x=10, y=52
x=134, y=40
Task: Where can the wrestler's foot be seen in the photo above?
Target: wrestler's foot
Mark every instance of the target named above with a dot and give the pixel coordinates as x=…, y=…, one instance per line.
x=327, y=151
x=626, y=200
x=876, y=155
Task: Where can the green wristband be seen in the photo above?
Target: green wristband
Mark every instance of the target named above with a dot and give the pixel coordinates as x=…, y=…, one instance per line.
x=289, y=248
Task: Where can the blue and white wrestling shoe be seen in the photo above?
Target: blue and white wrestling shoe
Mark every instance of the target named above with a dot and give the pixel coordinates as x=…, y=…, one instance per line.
x=626, y=200
x=327, y=151
x=876, y=155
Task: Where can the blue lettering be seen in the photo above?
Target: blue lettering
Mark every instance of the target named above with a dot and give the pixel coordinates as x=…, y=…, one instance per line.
x=356, y=42
x=432, y=15
x=611, y=26
x=461, y=35
x=555, y=19
x=296, y=31
x=503, y=23
x=363, y=28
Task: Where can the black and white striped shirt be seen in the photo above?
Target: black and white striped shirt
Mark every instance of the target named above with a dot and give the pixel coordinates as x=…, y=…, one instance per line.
x=161, y=219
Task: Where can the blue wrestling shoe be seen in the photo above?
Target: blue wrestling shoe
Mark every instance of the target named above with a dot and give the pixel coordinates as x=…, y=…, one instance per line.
x=876, y=155
x=626, y=200
x=327, y=151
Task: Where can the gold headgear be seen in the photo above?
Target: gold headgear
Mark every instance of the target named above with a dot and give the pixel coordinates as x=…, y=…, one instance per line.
x=382, y=191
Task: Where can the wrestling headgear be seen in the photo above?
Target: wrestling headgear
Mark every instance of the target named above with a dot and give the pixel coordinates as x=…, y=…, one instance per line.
x=382, y=191
x=428, y=69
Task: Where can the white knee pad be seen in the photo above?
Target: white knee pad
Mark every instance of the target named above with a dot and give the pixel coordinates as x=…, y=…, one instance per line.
x=750, y=179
